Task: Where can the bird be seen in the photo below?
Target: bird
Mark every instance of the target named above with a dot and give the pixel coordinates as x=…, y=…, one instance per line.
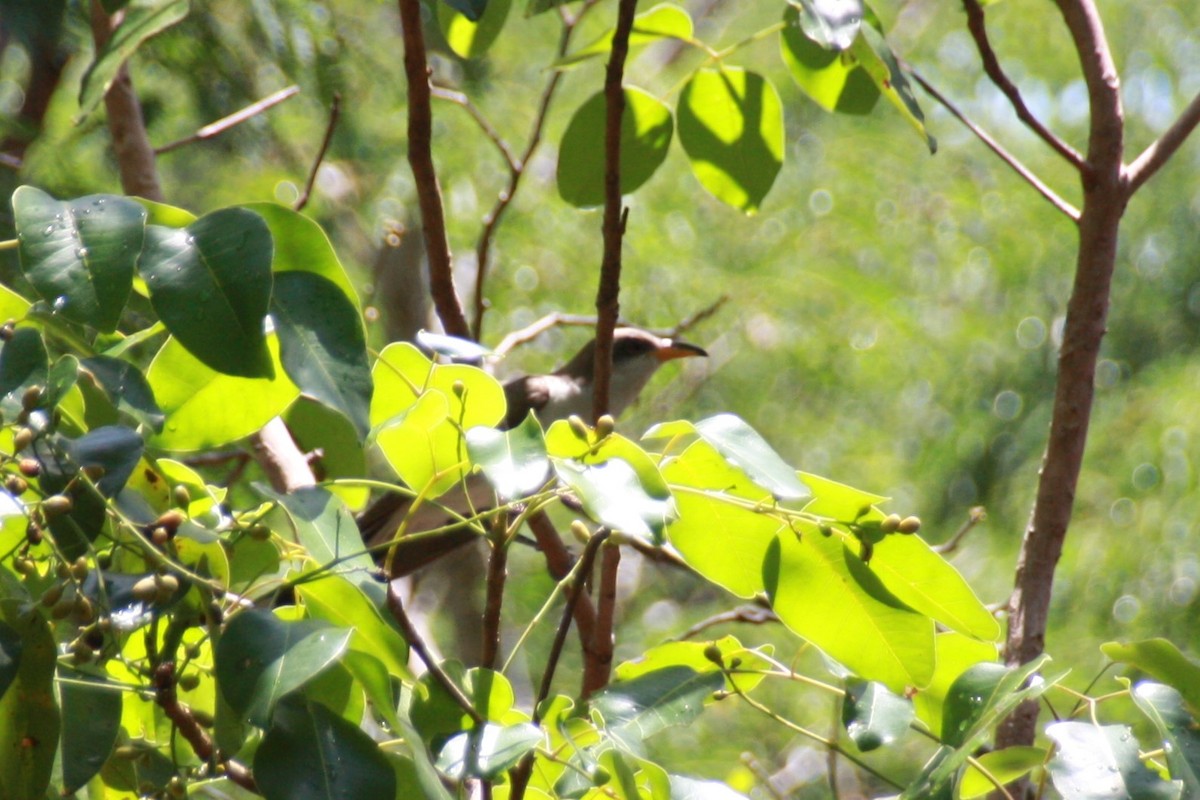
x=637, y=354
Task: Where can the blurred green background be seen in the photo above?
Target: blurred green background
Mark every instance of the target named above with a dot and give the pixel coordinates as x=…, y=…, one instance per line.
x=892, y=316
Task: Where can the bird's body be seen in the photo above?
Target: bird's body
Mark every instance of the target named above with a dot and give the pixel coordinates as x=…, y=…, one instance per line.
x=567, y=391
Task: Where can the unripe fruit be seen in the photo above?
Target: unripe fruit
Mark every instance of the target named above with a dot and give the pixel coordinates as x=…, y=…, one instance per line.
x=577, y=426
x=51, y=596
x=259, y=533
x=7, y=330
x=713, y=654
x=890, y=523
x=16, y=485
x=31, y=398
x=62, y=570
x=181, y=496
x=33, y=533
x=63, y=608
x=81, y=653
x=459, y=388
x=167, y=585
x=909, y=525
x=160, y=536
x=93, y=472
x=600, y=775
x=22, y=439
x=79, y=569
x=171, y=520
x=24, y=566
x=145, y=589
x=189, y=681
x=605, y=425
x=84, y=611
x=580, y=531
x=29, y=467
x=56, y=506
x=826, y=529
x=127, y=752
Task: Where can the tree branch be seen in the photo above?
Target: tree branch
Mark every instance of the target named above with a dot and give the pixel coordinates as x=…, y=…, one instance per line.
x=1158, y=153
x=282, y=460
x=236, y=118
x=497, y=572
x=991, y=65
x=559, y=564
x=462, y=101
x=420, y=159
x=1104, y=199
x=335, y=110
x=1008, y=158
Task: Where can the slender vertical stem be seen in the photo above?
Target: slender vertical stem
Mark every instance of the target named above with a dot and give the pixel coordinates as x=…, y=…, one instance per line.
x=420, y=159
x=497, y=572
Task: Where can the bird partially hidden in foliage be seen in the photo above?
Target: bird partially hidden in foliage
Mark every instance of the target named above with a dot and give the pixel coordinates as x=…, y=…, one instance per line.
x=637, y=355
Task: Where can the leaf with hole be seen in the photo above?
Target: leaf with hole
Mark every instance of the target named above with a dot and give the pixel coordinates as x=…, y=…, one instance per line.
x=80, y=254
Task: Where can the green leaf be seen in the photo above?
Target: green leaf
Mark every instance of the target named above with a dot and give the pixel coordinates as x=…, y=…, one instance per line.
x=646, y=130
x=823, y=592
x=23, y=363
x=94, y=710
x=471, y=36
x=260, y=658
x=310, y=753
x=1162, y=660
x=832, y=24
x=954, y=654
x=210, y=284
x=80, y=254
x=612, y=494
x=636, y=709
x=1101, y=761
x=928, y=583
x=113, y=448
x=10, y=655
x=834, y=80
x=487, y=751
x=722, y=530
x=836, y=500
x=318, y=521
x=535, y=7
x=29, y=718
x=744, y=448
x=126, y=388
x=12, y=305
x=873, y=716
x=1178, y=729
x=207, y=409
x=143, y=19
x=322, y=345
x=376, y=682
x=514, y=461
x=663, y=21
x=436, y=715
x=301, y=246
x=731, y=127
x=402, y=373
x=694, y=656
x=339, y=602
x=1005, y=765
x=876, y=57
x=425, y=447
x=472, y=9
x=318, y=429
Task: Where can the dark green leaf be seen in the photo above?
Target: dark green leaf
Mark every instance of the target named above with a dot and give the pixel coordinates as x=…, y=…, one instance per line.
x=260, y=658
x=126, y=387
x=29, y=718
x=613, y=495
x=873, y=716
x=731, y=126
x=143, y=19
x=61, y=379
x=835, y=81
x=210, y=283
x=636, y=709
x=1178, y=729
x=310, y=753
x=744, y=448
x=646, y=131
x=23, y=363
x=80, y=254
x=832, y=24
x=94, y=710
x=322, y=345
x=1162, y=660
x=470, y=37
x=114, y=449
x=514, y=461
x=320, y=522
x=487, y=751
x=437, y=715
x=876, y=57
x=471, y=9
x=10, y=655
x=1096, y=762
x=339, y=602
x=318, y=429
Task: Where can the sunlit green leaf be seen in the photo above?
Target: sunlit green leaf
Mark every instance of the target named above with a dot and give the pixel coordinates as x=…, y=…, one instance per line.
x=339, y=602
x=873, y=716
x=472, y=9
x=470, y=36
x=205, y=408
x=514, y=461
x=646, y=130
x=744, y=448
x=436, y=715
x=487, y=751
x=663, y=21
x=210, y=284
x=143, y=19
x=94, y=711
x=1005, y=766
x=612, y=494
x=876, y=57
x=1178, y=730
x=731, y=126
x=425, y=447
x=955, y=653
x=322, y=344
x=1101, y=761
x=694, y=655
x=1162, y=660
x=402, y=372
x=80, y=254
x=301, y=245
x=834, y=80
x=316, y=519
x=310, y=753
x=636, y=709
x=260, y=658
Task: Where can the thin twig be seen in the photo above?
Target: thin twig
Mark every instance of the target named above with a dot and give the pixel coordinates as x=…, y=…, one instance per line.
x=236, y=118
x=191, y=730
x=559, y=564
x=497, y=572
x=335, y=110
x=10, y=161
x=460, y=99
x=1157, y=154
x=750, y=614
x=420, y=159
x=536, y=329
x=1005, y=156
x=516, y=167
x=396, y=606
x=977, y=25
x=695, y=319
x=975, y=516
